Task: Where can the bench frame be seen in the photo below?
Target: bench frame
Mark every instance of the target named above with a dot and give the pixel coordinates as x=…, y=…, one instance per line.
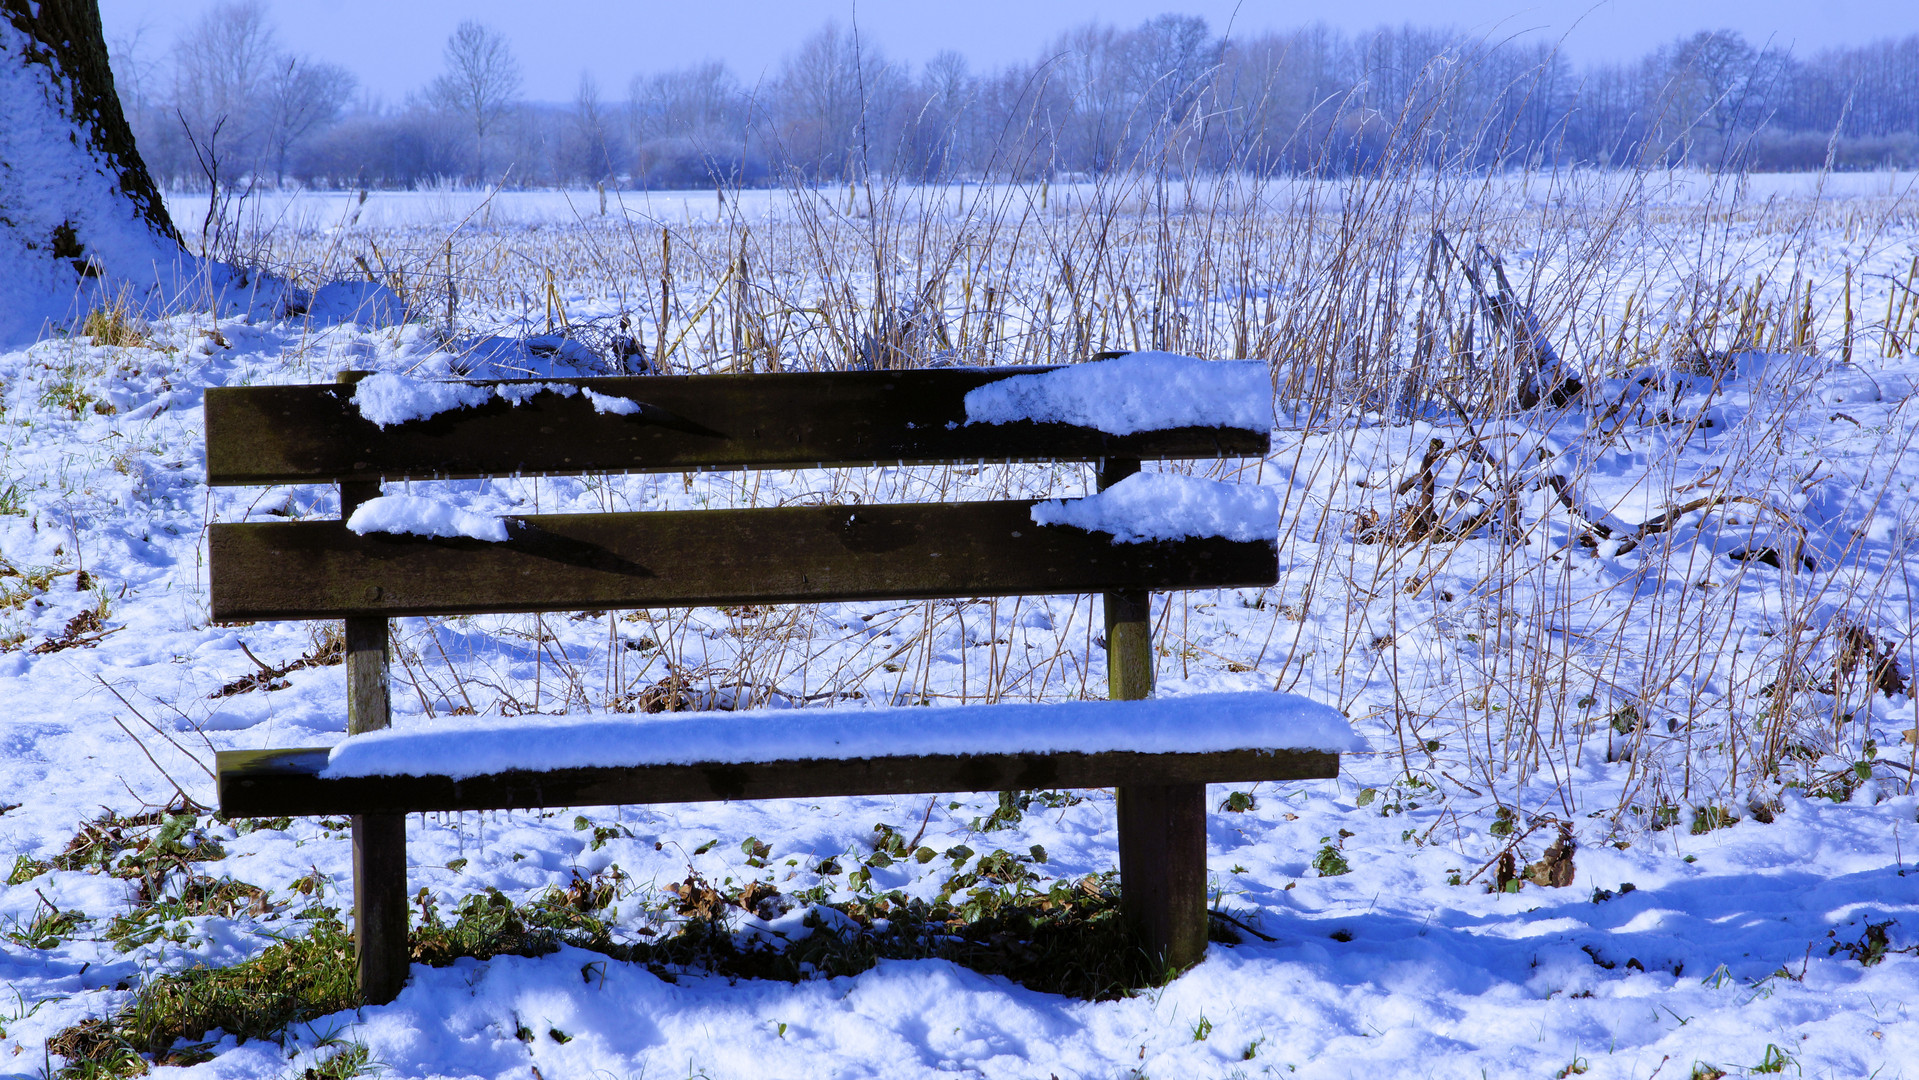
x=254, y=437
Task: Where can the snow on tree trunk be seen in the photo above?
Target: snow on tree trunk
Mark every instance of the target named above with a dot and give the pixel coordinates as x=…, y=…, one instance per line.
x=80, y=219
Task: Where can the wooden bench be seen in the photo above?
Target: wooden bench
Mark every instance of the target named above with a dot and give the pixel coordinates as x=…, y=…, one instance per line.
x=802, y=554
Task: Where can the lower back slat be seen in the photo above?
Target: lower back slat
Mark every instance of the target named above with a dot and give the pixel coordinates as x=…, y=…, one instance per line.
x=573, y=562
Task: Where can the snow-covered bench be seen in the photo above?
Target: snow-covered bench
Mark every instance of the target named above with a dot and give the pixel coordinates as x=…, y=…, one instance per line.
x=396, y=555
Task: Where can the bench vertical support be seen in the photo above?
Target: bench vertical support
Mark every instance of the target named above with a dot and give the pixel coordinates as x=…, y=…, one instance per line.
x=379, y=840
x=1162, y=827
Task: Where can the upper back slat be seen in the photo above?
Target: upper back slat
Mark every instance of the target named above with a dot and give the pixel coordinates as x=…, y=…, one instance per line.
x=315, y=434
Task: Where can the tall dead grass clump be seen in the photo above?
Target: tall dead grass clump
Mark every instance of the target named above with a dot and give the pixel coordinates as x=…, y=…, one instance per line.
x=115, y=323
x=1543, y=490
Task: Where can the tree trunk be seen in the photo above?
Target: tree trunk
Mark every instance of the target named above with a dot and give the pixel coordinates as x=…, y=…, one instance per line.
x=66, y=34
x=81, y=225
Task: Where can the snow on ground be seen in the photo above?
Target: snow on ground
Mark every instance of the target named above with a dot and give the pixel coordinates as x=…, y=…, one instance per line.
x=343, y=210
x=1509, y=679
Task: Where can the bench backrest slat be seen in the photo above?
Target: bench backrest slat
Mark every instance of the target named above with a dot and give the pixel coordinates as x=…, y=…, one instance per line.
x=314, y=434
x=572, y=562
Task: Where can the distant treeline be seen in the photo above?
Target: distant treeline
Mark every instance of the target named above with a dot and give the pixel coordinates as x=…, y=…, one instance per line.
x=1167, y=94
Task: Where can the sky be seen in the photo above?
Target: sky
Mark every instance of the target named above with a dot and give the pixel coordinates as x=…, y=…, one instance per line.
x=393, y=46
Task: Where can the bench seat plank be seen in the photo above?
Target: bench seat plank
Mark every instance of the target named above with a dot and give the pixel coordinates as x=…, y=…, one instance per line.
x=314, y=434
x=812, y=554
x=475, y=763
x=271, y=783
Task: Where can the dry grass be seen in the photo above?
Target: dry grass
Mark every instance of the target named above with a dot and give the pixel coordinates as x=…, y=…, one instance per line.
x=1518, y=330
x=115, y=324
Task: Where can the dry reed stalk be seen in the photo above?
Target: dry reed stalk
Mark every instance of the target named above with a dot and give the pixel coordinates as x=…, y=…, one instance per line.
x=1480, y=632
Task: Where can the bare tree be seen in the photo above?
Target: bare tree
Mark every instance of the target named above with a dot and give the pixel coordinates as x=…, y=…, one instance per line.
x=827, y=97
x=1098, y=98
x=64, y=37
x=690, y=129
x=1090, y=71
x=481, y=81
x=699, y=101
x=1709, y=87
x=300, y=98
x=221, y=67
x=134, y=69
x=588, y=148
x=934, y=126
x=1171, y=59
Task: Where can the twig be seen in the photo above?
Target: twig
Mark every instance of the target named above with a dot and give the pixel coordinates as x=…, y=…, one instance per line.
x=1218, y=914
x=928, y=816
x=271, y=672
x=156, y=729
x=1511, y=846
x=156, y=765
x=1895, y=281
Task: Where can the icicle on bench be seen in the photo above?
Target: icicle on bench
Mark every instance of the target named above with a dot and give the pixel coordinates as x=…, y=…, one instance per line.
x=1159, y=755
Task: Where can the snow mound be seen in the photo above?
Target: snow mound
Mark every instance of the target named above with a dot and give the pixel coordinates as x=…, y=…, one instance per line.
x=70, y=239
x=464, y=746
x=562, y=348
x=367, y=303
x=423, y=517
x=1142, y=391
x=1166, y=506
x=1846, y=386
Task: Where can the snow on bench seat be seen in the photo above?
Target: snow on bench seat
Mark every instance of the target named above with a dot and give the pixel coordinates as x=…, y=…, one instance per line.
x=495, y=763
x=462, y=747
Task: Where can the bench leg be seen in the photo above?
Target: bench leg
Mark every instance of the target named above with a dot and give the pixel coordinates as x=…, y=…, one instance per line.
x=379, y=840
x=1162, y=870
x=379, y=905
x=1162, y=827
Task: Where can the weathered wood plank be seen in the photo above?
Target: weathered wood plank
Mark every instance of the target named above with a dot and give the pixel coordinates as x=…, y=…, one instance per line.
x=1162, y=867
x=269, y=783
x=574, y=562
x=311, y=434
x=380, y=908
x=379, y=840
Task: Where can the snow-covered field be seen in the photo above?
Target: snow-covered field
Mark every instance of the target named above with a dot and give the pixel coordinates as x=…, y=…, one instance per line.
x=442, y=206
x=1672, y=620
